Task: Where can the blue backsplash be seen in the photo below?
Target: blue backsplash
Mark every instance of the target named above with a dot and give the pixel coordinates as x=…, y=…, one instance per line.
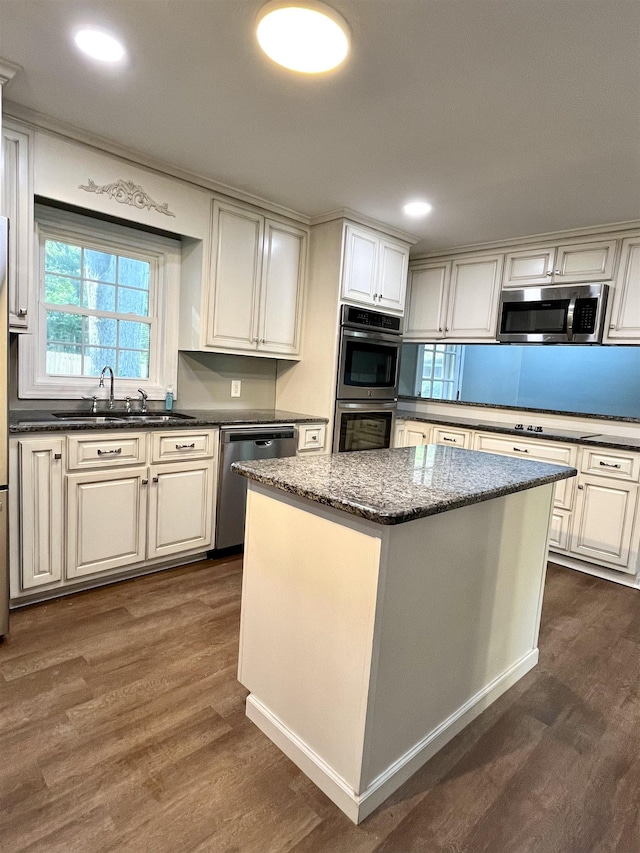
x=591, y=379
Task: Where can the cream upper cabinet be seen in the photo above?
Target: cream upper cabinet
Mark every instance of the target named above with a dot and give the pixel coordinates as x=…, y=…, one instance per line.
x=427, y=301
x=624, y=323
x=472, y=312
x=374, y=269
x=257, y=276
x=529, y=266
x=17, y=206
x=568, y=263
x=454, y=299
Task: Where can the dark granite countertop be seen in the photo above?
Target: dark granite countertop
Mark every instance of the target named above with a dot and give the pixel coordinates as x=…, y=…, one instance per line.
x=585, y=436
x=44, y=421
x=395, y=486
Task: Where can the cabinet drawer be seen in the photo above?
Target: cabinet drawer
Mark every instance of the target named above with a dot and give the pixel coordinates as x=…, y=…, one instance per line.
x=182, y=444
x=311, y=436
x=538, y=451
x=106, y=451
x=459, y=437
x=616, y=464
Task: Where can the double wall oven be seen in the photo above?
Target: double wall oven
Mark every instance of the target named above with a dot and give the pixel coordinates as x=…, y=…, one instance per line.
x=367, y=385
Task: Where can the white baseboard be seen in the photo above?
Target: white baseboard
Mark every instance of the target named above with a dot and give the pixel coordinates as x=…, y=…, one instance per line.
x=359, y=806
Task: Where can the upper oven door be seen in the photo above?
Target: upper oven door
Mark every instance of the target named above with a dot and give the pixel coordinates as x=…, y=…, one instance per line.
x=368, y=366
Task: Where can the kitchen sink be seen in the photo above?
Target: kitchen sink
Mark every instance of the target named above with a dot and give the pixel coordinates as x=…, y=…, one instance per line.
x=119, y=417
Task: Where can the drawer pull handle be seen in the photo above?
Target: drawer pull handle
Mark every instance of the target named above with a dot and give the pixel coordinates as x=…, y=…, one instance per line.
x=145, y=482
x=155, y=480
x=445, y=438
x=115, y=452
x=57, y=455
x=609, y=464
x=191, y=446
x=521, y=449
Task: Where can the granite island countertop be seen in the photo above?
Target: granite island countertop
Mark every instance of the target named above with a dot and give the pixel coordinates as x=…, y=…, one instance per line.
x=589, y=437
x=38, y=420
x=396, y=486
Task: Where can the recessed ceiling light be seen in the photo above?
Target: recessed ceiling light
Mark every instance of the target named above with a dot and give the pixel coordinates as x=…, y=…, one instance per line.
x=304, y=36
x=417, y=208
x=99, y=45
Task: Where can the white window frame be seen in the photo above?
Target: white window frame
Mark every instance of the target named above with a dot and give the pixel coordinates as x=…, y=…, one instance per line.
x=457, y=350
x=164, y=294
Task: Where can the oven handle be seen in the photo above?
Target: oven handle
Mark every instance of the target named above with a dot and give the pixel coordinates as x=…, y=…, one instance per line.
x=382, y=337
x=366, y=407
x=570, y=314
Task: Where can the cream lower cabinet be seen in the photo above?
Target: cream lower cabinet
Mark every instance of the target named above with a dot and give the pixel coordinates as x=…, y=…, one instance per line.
x=120, y=505
x=451, y=436
x=41, y=511
x=106, y=512
x=603, y=524
x=411, y=433
x=180, y=508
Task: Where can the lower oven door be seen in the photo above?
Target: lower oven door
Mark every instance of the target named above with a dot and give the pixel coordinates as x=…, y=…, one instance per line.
x=362, y=426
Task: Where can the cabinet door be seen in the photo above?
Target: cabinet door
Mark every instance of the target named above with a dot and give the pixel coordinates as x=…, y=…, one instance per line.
x=106, y=520
x=282, y=286
x=416, y=433
x=41, y=511
x=180, y=508
x=625, y=312
x=393, y=260
x=473, y=299
x=17, y=206
x=235, y=277
x=603, y=523
x=584, y=262
x=529, y=266
x=559, y=530
x=359, y=266
x=428, y=287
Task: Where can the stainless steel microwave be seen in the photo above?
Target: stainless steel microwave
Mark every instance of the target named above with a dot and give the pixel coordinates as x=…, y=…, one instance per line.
x=573, y=314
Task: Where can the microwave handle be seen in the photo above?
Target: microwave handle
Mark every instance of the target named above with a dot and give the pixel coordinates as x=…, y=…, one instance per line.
x=570, y=315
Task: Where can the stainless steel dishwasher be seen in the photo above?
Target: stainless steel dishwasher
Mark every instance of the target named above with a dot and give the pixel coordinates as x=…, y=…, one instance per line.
x=238, y=444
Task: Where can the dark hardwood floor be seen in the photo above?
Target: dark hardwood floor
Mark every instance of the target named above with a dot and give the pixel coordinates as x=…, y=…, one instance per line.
x=122, y=728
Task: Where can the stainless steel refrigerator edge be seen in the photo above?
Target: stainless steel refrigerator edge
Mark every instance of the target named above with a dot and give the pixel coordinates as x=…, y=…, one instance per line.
x=4, y=440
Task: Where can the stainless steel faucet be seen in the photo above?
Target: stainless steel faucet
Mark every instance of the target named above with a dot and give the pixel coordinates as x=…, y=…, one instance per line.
x=143, y=400
x=101, y=384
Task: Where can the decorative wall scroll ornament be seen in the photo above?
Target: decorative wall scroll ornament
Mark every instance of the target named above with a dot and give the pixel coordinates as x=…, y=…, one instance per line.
x=126, y=192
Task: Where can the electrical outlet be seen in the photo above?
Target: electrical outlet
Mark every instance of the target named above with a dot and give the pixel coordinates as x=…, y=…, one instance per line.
x=236, y=385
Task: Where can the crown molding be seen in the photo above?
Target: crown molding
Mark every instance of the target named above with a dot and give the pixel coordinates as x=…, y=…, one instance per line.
x=363, y=219
x=617, y=229
x=8, y=70
x=48, y=124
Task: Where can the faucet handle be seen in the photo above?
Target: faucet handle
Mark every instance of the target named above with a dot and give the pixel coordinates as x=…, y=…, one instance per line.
x=127, y=404
x=94, y=404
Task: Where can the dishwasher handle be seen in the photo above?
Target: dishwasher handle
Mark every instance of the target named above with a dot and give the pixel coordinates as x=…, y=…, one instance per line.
x=263, y=442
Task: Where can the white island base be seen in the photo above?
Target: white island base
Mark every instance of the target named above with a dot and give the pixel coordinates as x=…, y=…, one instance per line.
x=366, y=647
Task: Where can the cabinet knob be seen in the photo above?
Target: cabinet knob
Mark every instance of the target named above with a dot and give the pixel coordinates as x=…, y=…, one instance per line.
x=155, y=480
x=145, y=482
x=550, y=273
x=22, y=312
x=57, y=455
x=558, y=272
x=612, y=325
x=580, y=486
x=439, y=328
x=446, y=328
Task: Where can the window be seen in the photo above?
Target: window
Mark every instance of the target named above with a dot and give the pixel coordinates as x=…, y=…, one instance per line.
x=438, y=371
x=108, y=295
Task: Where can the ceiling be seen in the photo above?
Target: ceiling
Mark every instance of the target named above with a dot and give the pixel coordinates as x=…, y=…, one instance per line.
x=512, y=117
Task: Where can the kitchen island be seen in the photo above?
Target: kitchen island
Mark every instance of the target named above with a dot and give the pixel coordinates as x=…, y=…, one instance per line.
x=388, y=598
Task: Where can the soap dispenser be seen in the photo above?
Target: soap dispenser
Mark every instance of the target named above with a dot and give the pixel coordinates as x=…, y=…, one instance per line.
x=168, y=400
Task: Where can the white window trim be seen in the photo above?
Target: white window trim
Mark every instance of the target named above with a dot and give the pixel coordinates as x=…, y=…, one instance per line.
x=164, y=306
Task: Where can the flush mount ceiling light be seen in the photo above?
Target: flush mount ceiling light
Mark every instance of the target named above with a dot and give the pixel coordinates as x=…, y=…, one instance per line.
x=304, y=36
x=417, y=208
x=99, y=45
